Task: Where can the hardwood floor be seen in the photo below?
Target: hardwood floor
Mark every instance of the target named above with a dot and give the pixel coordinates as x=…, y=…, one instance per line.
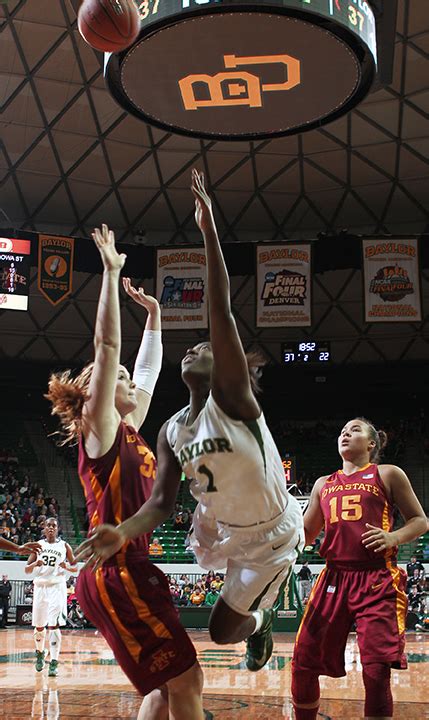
x=91, y=685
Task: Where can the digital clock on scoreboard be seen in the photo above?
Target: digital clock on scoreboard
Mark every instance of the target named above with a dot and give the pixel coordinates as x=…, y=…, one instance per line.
x=237, y=69
x=306, y=351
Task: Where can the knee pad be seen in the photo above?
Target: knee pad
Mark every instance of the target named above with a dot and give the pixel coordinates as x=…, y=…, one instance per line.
x=378, y=693
x=305, y=686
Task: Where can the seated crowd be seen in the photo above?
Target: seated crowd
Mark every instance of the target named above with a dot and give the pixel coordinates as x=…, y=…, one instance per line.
x=204, y=591
x=24, y=506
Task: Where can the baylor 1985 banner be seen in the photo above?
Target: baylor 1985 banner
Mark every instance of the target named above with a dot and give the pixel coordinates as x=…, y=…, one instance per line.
x=181, y=287
x=283, y=278
x=391, y=280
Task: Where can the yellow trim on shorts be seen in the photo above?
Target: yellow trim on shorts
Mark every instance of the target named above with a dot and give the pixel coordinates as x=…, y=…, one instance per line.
x=310, y=598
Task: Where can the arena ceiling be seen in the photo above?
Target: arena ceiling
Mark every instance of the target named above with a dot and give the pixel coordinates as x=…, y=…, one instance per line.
x=72, y=158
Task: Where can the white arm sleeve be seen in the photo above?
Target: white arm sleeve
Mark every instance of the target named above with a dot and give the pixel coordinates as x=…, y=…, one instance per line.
x=148, y=362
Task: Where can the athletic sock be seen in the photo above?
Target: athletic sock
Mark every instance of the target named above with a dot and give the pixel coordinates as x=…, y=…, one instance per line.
x=39, y=639
x=259, y=619
x=55, y=643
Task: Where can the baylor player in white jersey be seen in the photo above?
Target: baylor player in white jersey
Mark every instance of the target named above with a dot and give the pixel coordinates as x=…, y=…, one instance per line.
x=245, y=518
x=50, y=593
x=227, y=461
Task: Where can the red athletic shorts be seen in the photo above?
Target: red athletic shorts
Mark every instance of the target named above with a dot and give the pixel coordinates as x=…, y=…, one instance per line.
x=129, y=602
x=373, y=599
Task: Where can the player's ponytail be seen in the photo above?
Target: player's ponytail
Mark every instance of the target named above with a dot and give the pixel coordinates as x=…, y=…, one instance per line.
x=68, y=396
x=379, y=437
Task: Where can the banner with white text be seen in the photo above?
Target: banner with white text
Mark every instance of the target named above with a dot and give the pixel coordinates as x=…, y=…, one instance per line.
x=391, y=280
x=181, y=287
x=283, y=285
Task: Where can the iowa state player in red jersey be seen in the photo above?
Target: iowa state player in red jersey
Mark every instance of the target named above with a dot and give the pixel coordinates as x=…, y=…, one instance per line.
x=127, y=598
x=361, y=582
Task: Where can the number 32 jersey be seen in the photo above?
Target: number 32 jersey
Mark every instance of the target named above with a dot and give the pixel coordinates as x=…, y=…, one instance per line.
x=235, y=469
x=52, y=554
x=348, y=502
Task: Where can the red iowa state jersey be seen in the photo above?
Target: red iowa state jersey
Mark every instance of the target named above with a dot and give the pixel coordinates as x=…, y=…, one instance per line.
x=348, y=502
x=117, y=484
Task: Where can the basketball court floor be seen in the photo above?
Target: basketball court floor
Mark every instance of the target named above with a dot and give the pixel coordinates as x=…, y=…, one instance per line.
x=91, y=685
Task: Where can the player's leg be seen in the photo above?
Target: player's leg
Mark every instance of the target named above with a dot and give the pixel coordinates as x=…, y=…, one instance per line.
x=55, y=639
x=40, y=620
x=380, y=608
x=185, y=695
x=56, y=617
x=378, y=693
x=244, y=610
x=155, y=705
x=320, y=642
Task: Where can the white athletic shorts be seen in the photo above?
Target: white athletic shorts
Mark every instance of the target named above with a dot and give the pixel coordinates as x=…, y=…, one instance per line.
x=258, y=558
x=50, y=604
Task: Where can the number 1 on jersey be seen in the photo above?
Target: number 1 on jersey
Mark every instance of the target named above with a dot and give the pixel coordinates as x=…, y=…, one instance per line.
x=211, y=487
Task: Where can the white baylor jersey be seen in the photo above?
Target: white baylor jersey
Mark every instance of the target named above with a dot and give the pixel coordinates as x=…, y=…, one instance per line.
x=52, y=554
x=235, y=469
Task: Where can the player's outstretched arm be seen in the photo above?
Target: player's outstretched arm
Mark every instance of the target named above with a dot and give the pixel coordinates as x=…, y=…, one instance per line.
x=108, y=540
x=100, y=419
x=231, y=381
x=31, y=547
x=149, y=358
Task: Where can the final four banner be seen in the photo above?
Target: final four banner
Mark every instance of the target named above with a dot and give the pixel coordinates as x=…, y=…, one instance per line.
x=391, y=280
x=283, y=285
x=181, y=287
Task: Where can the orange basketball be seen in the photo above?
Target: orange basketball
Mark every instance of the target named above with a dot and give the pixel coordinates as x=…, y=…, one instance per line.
x=109, y=25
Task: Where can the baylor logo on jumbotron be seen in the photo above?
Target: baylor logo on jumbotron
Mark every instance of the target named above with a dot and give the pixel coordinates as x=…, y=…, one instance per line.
x=241, y=87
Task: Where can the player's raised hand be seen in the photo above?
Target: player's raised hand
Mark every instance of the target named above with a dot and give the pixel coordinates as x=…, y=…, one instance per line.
x=139, y=296
x=105, y=242
x=105, y=541
x=28, y=548
x=203, y=204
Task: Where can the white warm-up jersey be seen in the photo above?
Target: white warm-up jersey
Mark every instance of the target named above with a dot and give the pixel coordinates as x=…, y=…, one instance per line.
x=52, y=554
x=234, y=466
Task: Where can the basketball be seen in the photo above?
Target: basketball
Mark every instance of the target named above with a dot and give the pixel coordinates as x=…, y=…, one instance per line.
x=109, y=25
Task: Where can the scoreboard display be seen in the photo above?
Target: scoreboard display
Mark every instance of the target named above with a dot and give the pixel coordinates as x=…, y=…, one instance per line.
x=245, y=69
x=355, y=15
x=14, y=273
x=289, y=466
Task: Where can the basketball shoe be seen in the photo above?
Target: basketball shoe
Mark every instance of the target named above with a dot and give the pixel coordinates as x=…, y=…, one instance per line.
x=259, y=646
x=40, y=660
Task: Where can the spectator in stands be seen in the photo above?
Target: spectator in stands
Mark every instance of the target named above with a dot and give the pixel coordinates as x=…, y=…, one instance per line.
x=182, y=581
x=184, y=599
x=5, y=591
x=4, y=530
x=416, y=581
x=413, y=565
x=155, y=548
x=415, y=599
x=209, y=578
x=211, y=597
x=177, y=510
x=197, y=596
x=174, y=590
x=305, y=580
x=217, y=583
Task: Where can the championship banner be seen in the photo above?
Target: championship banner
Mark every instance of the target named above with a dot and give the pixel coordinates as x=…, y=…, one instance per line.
x=283, y=285
x=181, y=287
x=391, y=280
x=55, y=267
